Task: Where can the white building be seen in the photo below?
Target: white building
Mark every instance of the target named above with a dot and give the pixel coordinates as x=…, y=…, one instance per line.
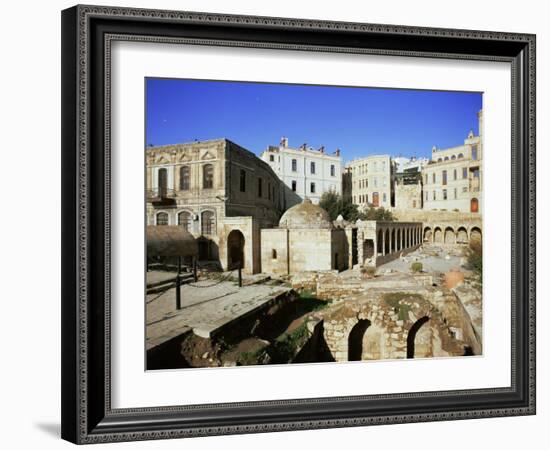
x=305, y=172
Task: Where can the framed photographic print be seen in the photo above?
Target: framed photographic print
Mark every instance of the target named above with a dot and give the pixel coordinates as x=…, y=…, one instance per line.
x=282, y=224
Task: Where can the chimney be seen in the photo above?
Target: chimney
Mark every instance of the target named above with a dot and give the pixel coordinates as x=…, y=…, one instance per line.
x=284, y=142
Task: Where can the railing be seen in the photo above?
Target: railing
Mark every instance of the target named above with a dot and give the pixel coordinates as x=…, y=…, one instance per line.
x=159, y=194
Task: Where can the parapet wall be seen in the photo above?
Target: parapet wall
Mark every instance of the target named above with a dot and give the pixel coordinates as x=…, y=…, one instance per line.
x=435, y=216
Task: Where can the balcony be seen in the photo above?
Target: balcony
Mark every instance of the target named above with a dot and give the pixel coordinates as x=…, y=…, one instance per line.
x=161, y=196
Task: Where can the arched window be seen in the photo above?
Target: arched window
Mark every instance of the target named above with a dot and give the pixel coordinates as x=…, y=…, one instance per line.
x=294, y=165
x=162, y=218
x=185, y=176
x=208, y=176
x=454, y=174
x=453, y=157
x=446, y=158
x=208, y=223
x=460, y=155
x=332, y=170
x=444, y=177
x=184, y=220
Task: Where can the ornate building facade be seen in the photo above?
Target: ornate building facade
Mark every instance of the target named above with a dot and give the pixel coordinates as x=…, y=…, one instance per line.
x=453, y=178
x=218, y=191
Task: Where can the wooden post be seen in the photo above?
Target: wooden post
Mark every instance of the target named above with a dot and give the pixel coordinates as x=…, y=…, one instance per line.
x=240, y=274
x=178, y=287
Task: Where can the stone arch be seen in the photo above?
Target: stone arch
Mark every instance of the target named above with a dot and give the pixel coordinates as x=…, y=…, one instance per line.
x=449, y=237
x=235, y=249
x=438, y=235
x=368, y=249
x=355, y=340
x=374, y=343
x=379, y=242
x=421, y=333
x=462, y=236
x=475, y=235
x=427, y=234
x=387, y=242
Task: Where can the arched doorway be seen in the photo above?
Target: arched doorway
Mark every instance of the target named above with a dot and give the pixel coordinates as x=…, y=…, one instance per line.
x=474, y=205
x=449, y=236
x=475, y=236
x=418, y=339
x=235, y=250
x=374, y=343
x=368, y=249
x=427, y=234
x=438, y=235
x=462, y=236
x=355, y=340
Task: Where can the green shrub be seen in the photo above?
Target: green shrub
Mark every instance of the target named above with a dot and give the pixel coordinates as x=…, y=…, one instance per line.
x=369, y=270
x=475, y=258
x=416, y=266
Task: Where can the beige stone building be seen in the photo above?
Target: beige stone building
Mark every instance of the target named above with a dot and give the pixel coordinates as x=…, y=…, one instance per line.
x=408, y=193
x=452, y=180
x=218, y=191
x=306, y=240
x=371, y=180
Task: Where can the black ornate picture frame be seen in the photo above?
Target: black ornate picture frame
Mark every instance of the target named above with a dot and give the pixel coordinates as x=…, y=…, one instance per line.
x=87, y=35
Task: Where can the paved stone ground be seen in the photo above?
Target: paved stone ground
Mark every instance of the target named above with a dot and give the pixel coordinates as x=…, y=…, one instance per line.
x=207, y=306
x=442, y=263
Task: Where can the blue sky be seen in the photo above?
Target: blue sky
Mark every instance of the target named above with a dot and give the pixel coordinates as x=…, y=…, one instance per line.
x=359, y=121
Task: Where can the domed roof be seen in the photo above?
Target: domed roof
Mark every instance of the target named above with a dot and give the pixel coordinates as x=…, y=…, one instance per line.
x=305, y=215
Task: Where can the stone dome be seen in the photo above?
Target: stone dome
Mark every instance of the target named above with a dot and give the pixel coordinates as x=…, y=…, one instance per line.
x=305, y=215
